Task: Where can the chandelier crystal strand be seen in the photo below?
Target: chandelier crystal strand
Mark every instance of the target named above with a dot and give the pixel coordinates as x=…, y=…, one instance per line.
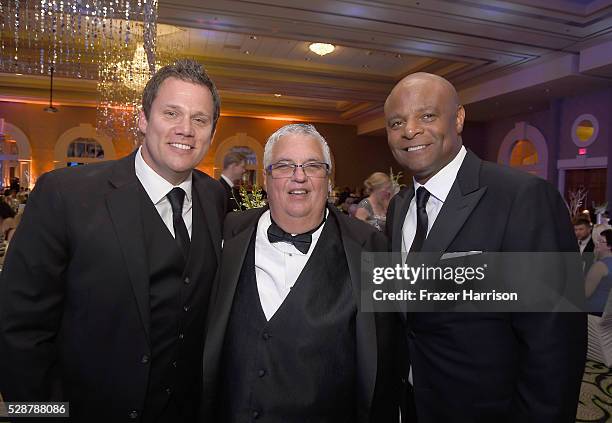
x=82, y=39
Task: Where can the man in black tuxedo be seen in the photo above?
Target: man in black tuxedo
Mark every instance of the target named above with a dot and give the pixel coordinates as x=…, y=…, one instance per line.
x=478, y=367
x=233, y=168
x=105, y=287
x=287, y=342
x=582, y=229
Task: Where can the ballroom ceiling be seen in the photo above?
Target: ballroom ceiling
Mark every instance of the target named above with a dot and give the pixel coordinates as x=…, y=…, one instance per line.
x=504, y=56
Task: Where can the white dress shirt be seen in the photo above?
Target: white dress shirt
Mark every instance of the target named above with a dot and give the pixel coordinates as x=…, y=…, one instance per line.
x=277, y=266
x=157, y=188
x=228, y=180
x=439, y=185
x=582, y=244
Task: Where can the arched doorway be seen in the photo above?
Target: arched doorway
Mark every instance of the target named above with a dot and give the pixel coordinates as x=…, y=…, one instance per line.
x=248, y=146
x=15, y=156
x=82, y=145
x=524, y=147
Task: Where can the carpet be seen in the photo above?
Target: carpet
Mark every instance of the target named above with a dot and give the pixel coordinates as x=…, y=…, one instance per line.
x=595, y=404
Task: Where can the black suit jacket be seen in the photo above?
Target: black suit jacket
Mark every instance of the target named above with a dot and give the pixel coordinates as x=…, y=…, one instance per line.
x=515, y=367
x=232, y=194
x=377, y=377
x=588, y=255
x=74, y=291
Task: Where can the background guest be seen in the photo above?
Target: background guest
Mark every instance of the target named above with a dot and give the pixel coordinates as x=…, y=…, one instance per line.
x=373, y=208
x=599, y=278
x=582, y=229
x=233, y=168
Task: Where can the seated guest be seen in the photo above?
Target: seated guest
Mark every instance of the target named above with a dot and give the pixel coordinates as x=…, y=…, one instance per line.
x=599, y=278
x=287, y=342
x=582, y=229
x=6, y=211
x=596, y=235
x=373, y=208
x=233, y=168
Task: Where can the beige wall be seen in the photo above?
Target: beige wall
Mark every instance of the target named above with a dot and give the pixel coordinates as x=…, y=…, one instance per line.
x=355, y=156
x=44, y=129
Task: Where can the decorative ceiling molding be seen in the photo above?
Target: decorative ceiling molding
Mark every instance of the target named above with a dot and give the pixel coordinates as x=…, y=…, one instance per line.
x=254, y=49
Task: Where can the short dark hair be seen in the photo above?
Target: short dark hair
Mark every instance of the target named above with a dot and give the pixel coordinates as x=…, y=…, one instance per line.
x=582, y=221
x=233, y=157
x=607, y=234
x=5, y=210
x=187, y=70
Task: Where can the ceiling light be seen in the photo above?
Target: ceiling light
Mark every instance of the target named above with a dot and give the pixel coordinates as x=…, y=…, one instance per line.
x=277, y=95
x=321, y=48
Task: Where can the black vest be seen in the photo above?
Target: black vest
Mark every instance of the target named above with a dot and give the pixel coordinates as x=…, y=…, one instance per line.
x=301, y=365
x=179, y=294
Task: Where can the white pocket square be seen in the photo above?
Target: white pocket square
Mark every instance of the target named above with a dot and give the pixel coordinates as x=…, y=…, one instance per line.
x=456, y=254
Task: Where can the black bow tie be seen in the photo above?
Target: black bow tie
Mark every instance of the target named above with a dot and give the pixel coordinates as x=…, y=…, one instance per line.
x=300, y=241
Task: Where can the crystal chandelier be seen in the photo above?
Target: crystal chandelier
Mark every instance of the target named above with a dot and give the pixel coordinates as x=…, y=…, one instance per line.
x=120, y=85
x=122, y=81
x=73, y=36
x=81, y=39
x=135, y=73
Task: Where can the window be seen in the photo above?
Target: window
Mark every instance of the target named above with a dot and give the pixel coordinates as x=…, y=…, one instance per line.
x=585, y=130
x=523, y=153
x=85, y=148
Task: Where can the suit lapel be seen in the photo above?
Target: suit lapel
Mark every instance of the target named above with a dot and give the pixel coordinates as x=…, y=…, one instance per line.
x=367, y=352
x=234, y=253
x=210, y=214
x=460, y=203
x=125, y=211
x=401, y=209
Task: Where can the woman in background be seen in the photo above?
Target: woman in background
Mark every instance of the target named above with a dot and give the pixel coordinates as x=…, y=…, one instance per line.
x=373, y=208
x=599, y=278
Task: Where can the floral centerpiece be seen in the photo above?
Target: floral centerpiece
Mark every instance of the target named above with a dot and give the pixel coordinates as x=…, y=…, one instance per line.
x=395, y=181
x=250, y=200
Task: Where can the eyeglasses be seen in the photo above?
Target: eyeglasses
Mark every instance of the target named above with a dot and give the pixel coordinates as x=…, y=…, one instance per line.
x=287, y=170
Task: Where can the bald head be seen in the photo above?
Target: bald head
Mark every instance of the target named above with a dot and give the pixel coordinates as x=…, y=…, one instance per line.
x=429, y=80
x=424, y=121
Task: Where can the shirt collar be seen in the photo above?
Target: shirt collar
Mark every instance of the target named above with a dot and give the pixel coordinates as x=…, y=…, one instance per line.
x=439, y=185
x=228, y=180
x=586, y=240
x=156, y=186
x=265, y=221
